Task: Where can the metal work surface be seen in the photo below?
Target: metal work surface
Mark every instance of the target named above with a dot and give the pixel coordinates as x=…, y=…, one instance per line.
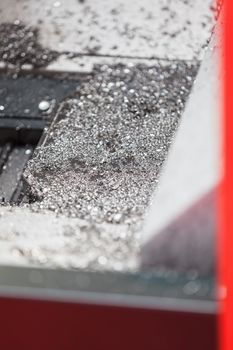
x=79, y=206
x=166, y=29
x=102, y=156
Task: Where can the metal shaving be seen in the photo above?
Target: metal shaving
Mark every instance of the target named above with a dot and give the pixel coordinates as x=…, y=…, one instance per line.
x=102, y=157
x=19, y=45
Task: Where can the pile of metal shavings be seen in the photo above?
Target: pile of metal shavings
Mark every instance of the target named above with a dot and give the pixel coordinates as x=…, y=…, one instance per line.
x=20, y=45
x=102, y=157
x=96, y=172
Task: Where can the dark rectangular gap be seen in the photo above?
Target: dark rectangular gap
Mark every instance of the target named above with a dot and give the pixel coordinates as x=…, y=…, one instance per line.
x=22, y=123
x=14, y=154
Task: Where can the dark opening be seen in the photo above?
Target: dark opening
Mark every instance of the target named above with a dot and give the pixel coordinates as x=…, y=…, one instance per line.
x=22, y=123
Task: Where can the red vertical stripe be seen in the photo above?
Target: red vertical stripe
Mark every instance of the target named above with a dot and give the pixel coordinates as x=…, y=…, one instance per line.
x=226, y=217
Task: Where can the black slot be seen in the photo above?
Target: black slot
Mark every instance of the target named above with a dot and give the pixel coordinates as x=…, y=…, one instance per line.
x=22, y=124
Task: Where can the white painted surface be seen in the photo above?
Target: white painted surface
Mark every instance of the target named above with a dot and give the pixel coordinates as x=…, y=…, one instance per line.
x=174, y=29
x=193, y=167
